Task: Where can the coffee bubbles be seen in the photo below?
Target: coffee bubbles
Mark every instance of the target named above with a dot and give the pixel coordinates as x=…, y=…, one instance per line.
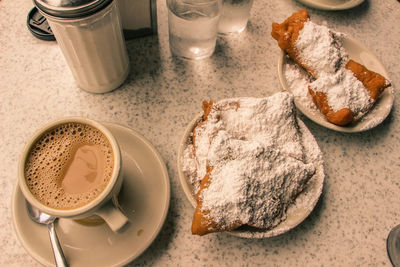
x=69, y=165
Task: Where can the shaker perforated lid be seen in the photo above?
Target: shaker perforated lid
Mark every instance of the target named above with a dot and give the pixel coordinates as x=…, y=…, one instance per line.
x=71, y=8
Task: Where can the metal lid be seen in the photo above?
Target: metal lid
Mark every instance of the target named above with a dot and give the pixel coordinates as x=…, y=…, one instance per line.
x=71, y=8
x=38, y=26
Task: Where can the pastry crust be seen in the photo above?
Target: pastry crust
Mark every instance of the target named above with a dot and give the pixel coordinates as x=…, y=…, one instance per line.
x=373, y=82
x=202, y=224
x=287, y=33
x=340, y=117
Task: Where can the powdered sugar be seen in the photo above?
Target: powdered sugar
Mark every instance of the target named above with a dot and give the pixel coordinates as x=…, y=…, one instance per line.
x=343, y=89
x=320, y=48
x=255, y=149
x=298, y=80
x=190, y=166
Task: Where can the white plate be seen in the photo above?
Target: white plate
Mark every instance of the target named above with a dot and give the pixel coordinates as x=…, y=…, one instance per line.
x=331, y=4
x=296, y=213
x=382, y=107
x=144, y=198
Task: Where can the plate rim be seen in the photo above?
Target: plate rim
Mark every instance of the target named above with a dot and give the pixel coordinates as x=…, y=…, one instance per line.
x=324, y=122
x=320, y=6
x=268, y=233
x=156, y=230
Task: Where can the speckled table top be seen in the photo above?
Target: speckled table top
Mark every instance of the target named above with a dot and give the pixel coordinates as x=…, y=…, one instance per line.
x=360, y=201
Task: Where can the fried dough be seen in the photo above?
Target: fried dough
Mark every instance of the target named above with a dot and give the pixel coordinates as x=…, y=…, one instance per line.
x=287, y=34
x=202, y=223
x=373, y=82
x=248, y=180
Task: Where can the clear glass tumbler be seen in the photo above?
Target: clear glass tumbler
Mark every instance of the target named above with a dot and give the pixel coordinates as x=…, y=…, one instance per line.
x=234, y=17
x=193, y=27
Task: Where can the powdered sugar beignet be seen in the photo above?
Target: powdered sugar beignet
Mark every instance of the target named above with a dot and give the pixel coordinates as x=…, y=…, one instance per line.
x=343, y=89
x=250, y=163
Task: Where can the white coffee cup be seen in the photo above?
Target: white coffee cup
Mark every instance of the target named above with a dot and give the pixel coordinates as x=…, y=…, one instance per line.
x=104, y=205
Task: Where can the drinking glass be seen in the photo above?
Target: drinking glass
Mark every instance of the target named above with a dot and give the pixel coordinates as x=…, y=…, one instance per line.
x=193, y=27
x=234, y=16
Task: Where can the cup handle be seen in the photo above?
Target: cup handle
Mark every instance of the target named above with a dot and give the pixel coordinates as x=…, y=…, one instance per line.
x=113, y=216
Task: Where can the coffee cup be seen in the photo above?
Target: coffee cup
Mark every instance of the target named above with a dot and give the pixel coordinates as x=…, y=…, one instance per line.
x=71, y=168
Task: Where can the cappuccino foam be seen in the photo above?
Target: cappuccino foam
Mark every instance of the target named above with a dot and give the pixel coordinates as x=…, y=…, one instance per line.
x=69, y=166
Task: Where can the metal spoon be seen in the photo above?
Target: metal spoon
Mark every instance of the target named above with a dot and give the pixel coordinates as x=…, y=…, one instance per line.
x=393, y=246
x=43, y=218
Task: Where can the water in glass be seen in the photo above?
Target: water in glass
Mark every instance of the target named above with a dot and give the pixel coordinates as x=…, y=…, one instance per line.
x=234, y=16
x=193, y=28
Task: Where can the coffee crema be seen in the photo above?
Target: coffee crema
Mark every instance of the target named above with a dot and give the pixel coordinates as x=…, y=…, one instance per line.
x=69, y=165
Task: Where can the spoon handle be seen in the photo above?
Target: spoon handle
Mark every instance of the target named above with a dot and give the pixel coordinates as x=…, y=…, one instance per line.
x=55, y=245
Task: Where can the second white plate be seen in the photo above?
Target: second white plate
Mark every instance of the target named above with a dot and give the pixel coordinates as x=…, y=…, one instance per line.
x=382, y=107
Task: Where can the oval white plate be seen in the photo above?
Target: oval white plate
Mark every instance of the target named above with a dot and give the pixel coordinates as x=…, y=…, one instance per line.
x=331, y=4
x=144, y=198
x=382, y=107
x=296, y=213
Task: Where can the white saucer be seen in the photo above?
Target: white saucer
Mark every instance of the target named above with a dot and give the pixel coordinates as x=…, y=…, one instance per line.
x=144, y=198
x=382, y=107
x=296, y=213
x=331, y=4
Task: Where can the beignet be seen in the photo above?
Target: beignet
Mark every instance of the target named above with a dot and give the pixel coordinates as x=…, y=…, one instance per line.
x=342, y=96
x=249, y=155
